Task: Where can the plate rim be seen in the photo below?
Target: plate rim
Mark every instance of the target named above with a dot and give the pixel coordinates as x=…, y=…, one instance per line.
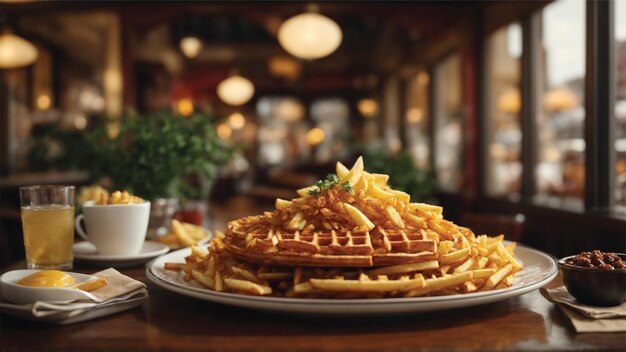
x=114, y=257
x=475, y=296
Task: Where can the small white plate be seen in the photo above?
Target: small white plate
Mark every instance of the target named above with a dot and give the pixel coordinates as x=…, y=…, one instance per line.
x=86, y=252
x=20, y=294
x=539, y=269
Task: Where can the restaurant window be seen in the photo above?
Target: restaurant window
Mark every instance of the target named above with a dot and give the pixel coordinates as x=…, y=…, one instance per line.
x=560, y=118
x=330, y=132
x=417, y=119
x=282, y=130
x=447, y=112
x=620, y=105
x=504, y=134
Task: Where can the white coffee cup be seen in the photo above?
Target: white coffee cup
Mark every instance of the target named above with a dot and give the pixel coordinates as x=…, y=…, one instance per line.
x=116, y=229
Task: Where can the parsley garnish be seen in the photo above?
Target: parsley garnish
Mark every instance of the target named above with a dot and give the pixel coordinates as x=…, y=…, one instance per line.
x=329, y=182
x=347, y=187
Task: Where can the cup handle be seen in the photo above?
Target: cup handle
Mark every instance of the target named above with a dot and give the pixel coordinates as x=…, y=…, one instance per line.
x=79, y=227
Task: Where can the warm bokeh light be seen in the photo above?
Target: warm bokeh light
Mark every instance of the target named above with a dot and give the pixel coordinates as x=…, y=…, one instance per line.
x=560, y=99
x=289, y=110
x=510, y=101
x=224, y=131
x=315, y=136
x=44, y=102
x=414, y=115
x=284, y=66
x=16, y=51
x=113, y=130
x=80, y=122
x=423, y=78
x=235, y=90
x=185, y=107
x=190, y=46
x=236, y=120
x=310, y=36
x=368, y=107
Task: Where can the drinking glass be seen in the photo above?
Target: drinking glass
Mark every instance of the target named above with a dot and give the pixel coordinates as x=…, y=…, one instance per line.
x=48, y=226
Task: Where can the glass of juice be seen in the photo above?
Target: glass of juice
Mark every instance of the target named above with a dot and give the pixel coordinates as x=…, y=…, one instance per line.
x=48, y=226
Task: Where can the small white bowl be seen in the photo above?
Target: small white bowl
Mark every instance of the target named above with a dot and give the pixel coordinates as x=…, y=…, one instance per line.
x=20, y=294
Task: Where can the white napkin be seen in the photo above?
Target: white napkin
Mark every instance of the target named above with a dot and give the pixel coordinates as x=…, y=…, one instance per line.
x=586, y=318
x=120, y=293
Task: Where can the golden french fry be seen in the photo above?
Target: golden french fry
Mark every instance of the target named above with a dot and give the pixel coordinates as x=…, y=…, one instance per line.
x=379, y=193
x=283, y=204
x=342, y=170
x=440, y=283
x=246, y=274
x=405, y=268
x=207, y=281
x=358, y=217
x=494, y=279
x=304, y=192
x=454, y=256
x=465, y=266
x=367, y=286
x=181, y=233
x=248, y=287
x=93, y=284
x=392, y=214
x=480, y=274
x=355, y=173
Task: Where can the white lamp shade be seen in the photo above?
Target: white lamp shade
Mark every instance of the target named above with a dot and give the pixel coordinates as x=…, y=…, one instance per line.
x=235, y=90
x=310, y=36
x=190, y=46
x=16, y=52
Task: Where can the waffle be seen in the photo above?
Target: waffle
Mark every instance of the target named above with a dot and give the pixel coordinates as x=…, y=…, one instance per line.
x=330, y=248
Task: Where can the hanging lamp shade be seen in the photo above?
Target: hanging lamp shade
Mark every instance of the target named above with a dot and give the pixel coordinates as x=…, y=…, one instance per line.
x=191, y=46
x=16, y=51
x=235, y=90
x=310, y=36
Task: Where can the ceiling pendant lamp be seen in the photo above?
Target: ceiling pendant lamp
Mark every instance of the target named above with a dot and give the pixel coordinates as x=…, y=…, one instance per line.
x=310, y=36
x=191, y=46
x=16, y=51
x=235, y=90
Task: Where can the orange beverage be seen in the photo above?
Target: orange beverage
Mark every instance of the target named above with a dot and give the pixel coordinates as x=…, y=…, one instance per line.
x=48, y=226
x=48, y=235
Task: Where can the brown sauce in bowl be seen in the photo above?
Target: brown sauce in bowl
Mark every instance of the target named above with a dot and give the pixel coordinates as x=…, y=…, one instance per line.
x=597, y=260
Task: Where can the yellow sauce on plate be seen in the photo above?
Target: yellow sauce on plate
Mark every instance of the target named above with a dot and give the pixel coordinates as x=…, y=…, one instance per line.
x=47, y=278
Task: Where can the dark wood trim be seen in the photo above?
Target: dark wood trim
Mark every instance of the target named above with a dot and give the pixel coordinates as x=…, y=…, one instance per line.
x=402, y=103
x=501, y=13
x=432, y=120
x=599, y=107
x=4, y=126
x=482, y=119
x=531, y=39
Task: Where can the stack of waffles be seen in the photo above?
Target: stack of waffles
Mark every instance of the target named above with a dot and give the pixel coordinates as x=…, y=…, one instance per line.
x=351, y=236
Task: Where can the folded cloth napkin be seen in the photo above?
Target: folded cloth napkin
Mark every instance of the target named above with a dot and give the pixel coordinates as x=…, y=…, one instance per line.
x=120, y=293
x=586, y=318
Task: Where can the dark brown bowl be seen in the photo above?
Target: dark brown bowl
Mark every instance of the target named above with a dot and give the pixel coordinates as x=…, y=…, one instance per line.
x=596, y=287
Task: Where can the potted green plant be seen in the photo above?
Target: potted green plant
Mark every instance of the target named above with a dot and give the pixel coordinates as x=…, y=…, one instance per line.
x=156, y=156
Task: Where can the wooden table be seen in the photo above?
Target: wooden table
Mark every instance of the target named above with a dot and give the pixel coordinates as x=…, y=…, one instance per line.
x=169, y=321
x=172, y=322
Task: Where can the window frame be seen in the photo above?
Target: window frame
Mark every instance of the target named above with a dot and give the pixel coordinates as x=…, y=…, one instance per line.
x=599, y=120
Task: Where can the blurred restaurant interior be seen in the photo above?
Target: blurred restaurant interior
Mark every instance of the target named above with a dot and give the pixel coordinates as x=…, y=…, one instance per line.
x=511, y=115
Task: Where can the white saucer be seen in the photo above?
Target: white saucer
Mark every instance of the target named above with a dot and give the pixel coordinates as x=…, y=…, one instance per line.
x=86, y=252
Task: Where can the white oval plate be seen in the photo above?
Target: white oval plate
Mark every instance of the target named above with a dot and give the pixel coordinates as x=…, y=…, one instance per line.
x=19, y=294
x=539, y=269
x=86, y=252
